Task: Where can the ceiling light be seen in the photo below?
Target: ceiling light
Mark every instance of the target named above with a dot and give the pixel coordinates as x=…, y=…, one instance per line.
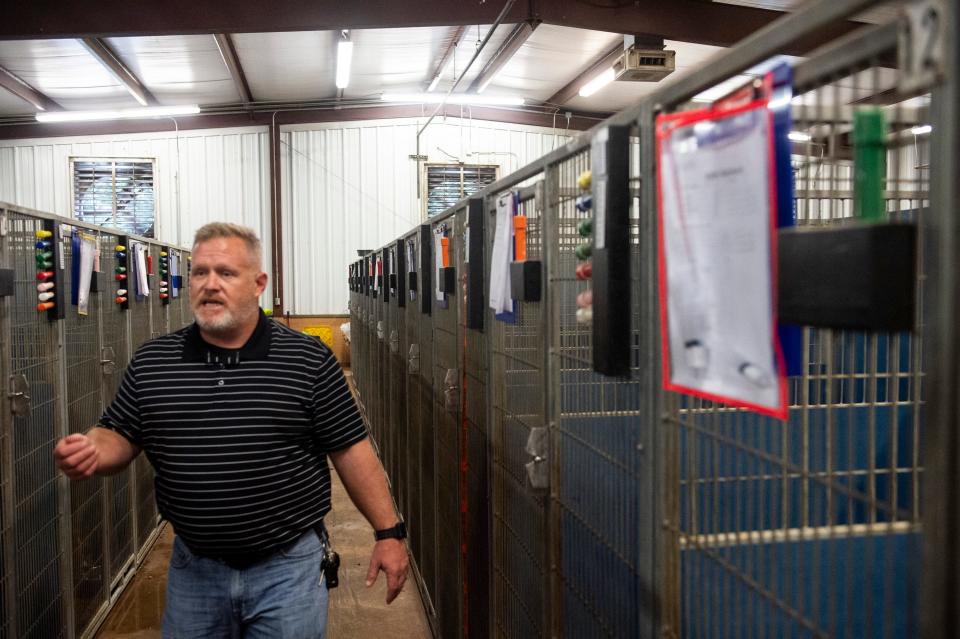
x=117, y=114
x=796, y=136
x=597, y=83
x=344, y=57
x=923, y=129
x=434, y=83
x=460, y=98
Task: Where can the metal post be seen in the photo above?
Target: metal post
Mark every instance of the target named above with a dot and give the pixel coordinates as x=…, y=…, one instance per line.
x=63, y=485
x=6, y=461
x=941, y=494
x=655, y=553
x=548, y=201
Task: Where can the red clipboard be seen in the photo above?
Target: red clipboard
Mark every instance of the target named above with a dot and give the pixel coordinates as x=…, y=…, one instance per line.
x=666, y=126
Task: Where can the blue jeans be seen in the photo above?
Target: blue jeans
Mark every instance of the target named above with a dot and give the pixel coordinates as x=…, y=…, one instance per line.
x=283, y=597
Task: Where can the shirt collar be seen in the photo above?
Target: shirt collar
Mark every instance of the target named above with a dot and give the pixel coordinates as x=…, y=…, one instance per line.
x=197, y=349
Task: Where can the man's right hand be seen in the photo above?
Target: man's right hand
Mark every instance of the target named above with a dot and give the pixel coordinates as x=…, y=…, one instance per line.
x=77, y=456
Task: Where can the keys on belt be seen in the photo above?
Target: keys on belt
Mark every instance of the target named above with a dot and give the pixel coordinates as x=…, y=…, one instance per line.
x=330, y=563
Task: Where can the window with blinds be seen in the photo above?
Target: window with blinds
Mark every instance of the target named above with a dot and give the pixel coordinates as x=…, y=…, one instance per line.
x=449, y=183
x=117, y=193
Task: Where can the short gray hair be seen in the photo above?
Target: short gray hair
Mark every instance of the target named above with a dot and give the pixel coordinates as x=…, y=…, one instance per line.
x=215, y=230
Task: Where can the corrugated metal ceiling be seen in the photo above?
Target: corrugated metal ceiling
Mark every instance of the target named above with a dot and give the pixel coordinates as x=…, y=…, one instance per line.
x=65, y=72
x=178, y=69
x=300, y=66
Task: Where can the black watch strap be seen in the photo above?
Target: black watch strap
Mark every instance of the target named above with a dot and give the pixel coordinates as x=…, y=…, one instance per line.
x=397, y=532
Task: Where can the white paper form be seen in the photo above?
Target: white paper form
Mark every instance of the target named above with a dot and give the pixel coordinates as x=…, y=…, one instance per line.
x=717, y=231
x=88, y=251
x=500, y=300
x=140, y=250
x=437, y=264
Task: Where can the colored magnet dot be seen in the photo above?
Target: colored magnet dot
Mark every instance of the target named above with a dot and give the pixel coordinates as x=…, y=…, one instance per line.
x=584, y=203
x=585, y=315
x=120, y=299
x=584, y=251
x=42, y=234
x=585, y=180
x=584, y=271
x=585, y=228
x=120, y=247
x=585, y=299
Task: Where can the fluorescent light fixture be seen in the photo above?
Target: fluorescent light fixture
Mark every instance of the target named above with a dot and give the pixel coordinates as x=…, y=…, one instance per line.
x=923, y=129
x=117, y=114
x=458, y=98
x=597, y=83
x=344, y=57
x=796, y=136
x=434, y=83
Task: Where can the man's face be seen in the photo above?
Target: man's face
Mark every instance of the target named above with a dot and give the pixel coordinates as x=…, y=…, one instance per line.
x=225, y=286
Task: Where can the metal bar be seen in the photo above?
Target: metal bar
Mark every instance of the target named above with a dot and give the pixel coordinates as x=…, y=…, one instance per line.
x=99, y=50
x=261, y=114
x=25, y=92
x=62, y=426
x=456, y=34
x=456, y=83
x=507, y=50
x=941, y=488
x=657, y=565
x=687, y=20
x=9, y=601
x=229, y=54
x=276, y=218
x=839, y=56
x=750, y=537
x=770, y=40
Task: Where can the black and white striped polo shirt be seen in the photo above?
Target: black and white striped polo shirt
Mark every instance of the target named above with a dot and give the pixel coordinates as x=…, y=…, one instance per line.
x=238, y=438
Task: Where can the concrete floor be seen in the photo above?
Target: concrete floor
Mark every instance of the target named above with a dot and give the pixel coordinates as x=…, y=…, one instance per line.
x=355, y=610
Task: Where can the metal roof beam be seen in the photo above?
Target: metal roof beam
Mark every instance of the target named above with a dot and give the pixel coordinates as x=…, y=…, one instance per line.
x=27, y=129
x=455, y=36
x=99, y=50
x=571, y=89
x=25, y=92
x=685, y=20
x=229, y=54
x=510, y=46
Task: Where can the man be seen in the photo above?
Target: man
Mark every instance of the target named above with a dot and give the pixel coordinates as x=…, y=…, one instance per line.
x=238, y=415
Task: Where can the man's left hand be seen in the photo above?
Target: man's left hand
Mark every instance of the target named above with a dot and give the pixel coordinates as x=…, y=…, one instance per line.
x=390, y=556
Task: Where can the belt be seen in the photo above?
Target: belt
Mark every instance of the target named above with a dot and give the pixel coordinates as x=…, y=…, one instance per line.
x=246, y=560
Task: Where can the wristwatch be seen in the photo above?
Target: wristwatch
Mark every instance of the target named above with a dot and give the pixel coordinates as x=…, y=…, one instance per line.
x=396, y=532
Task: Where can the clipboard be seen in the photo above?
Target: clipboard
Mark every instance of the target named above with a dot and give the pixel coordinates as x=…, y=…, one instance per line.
x=717, y=226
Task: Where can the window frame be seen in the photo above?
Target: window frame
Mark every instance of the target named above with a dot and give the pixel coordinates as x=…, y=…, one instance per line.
x=114, y=159
x=425, y=181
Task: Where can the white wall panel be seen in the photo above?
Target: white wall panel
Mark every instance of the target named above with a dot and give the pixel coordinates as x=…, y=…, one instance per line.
x=350, y=186
x=345, y=186
x=223, y=176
